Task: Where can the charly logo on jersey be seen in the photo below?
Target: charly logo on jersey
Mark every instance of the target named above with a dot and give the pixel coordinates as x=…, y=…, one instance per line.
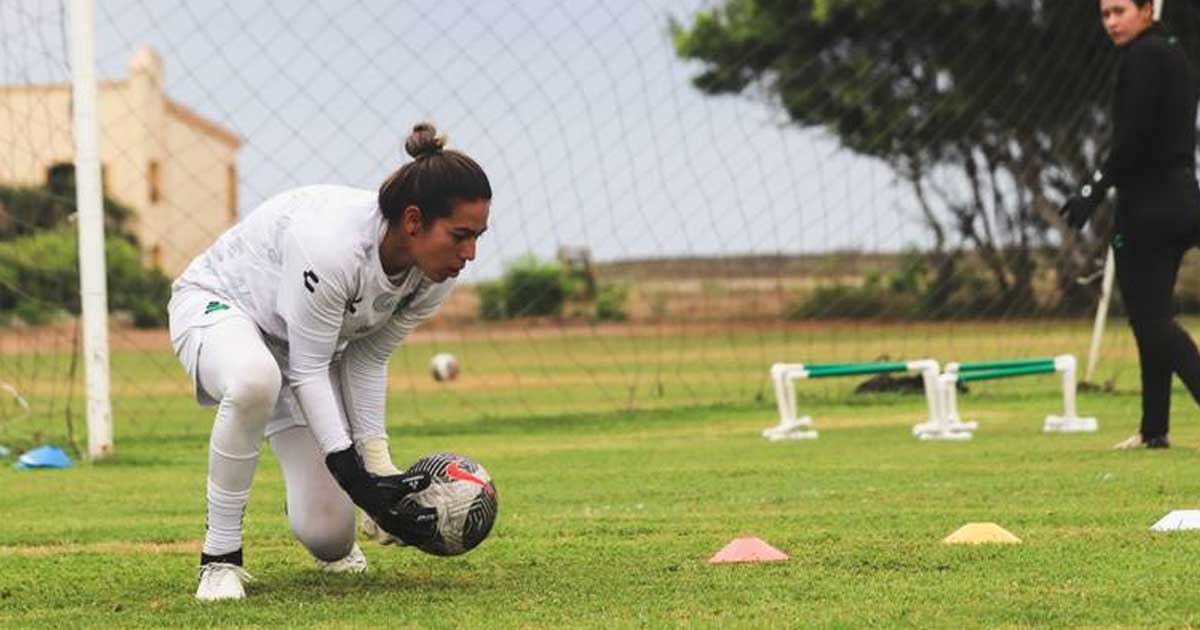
x=351, y=304
x=311, y=281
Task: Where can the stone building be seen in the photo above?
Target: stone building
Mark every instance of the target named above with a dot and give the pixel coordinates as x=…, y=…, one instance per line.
x=176, y=169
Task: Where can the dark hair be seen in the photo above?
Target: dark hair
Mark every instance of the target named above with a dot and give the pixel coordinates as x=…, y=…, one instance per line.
x=434, y=181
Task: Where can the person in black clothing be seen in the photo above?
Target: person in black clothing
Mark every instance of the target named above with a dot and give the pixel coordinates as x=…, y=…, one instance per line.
x=1151, y=162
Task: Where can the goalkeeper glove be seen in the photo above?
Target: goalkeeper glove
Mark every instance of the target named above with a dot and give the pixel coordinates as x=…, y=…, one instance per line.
x=378, y=461
x=1079, y=208
x=382, y=497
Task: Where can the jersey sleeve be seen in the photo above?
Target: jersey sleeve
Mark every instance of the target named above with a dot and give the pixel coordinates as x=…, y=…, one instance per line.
x=365, y=362
x=311, y=299
x=1135, y=111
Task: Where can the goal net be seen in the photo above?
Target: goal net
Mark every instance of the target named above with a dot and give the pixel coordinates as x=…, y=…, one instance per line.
x=686, y=191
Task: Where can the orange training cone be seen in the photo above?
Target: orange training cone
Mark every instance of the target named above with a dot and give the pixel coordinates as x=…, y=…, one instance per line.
x=747, y=550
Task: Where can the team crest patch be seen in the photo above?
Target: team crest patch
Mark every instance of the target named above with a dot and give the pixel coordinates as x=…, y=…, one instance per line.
x=215, y=306
x=383, y=303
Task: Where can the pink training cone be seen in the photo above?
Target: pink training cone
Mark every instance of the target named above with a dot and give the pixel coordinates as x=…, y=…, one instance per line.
x=748, y=550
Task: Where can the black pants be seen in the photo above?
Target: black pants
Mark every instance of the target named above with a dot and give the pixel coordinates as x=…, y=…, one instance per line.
x=1158, y=220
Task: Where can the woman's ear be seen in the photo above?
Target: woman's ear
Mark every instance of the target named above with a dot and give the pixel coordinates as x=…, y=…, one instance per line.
x=412, y=220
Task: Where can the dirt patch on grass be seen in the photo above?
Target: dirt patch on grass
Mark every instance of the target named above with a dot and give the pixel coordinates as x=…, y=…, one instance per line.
x=108, y=547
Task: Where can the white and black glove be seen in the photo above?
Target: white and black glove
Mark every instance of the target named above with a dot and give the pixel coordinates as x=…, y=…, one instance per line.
x=377, y=459
x=1079, y=208
x=382, y=497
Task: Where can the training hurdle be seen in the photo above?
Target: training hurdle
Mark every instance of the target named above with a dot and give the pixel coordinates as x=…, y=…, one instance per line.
x=949, y=421
x=784, y=376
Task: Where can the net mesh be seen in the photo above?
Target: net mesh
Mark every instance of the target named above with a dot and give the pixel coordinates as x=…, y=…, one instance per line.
x=713, y=186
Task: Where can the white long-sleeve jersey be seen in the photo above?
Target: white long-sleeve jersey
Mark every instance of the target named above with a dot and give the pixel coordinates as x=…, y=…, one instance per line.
x=305, y=267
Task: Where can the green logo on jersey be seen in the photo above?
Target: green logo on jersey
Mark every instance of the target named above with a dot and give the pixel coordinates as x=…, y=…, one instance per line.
x=404, y=302
x=215, y=306
x=1118, y=240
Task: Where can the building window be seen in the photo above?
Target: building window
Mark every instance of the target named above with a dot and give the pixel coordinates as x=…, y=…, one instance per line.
x=153, y=178
x=231, y=192
x=60, y=178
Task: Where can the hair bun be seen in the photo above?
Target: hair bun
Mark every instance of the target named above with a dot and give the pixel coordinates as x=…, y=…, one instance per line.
x=424, y=141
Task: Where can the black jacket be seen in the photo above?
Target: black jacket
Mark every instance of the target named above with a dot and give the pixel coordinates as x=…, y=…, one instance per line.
x=1153, y=110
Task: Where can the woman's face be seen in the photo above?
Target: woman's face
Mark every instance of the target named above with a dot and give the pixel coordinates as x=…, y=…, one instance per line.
x=442, y=249
x=1124, y=20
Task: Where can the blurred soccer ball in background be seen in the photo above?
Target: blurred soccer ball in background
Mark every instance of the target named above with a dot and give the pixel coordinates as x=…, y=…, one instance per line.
x=462, y=495
x=444, y=367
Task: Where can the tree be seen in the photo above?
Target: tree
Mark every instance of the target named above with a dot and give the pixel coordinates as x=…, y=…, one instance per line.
x=1008, y=96
x=25, y=210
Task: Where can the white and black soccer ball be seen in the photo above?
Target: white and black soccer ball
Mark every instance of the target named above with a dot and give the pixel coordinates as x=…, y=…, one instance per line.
x=444, y=367
x=463, y=496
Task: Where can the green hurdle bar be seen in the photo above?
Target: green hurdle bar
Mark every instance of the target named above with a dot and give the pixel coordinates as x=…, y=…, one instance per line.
x=984, y=374
x=976, y=366
x=1068, y=422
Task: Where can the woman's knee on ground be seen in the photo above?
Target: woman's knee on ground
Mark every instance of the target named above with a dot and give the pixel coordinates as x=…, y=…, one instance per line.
x=327, y=531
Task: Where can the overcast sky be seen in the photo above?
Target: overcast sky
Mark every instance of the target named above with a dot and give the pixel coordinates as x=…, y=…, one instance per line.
x=580, y=112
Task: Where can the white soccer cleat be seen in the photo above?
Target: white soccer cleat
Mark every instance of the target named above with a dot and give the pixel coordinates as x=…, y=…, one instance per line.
x=354, y=562
x=221, y=580
x=1137, y=441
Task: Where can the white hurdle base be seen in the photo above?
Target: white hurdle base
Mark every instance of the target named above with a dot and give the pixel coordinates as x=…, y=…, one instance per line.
x=793, y=426
x=948, y=430
x=946, y=425
x=943, y=435
x=791, y=429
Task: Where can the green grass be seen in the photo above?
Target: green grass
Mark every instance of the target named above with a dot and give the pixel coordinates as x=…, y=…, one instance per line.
x=607, y=517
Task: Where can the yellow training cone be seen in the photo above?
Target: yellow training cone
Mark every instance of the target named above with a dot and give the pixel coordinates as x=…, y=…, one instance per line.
x=979, y=534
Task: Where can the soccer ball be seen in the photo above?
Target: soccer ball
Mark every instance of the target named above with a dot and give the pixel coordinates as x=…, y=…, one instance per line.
x=444, y=367
x=463, y=496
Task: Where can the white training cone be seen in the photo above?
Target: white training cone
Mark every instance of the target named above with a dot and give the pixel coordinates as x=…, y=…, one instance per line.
x=1178, y=520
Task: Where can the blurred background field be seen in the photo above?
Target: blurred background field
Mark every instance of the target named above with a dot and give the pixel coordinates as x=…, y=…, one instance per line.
x=557, y=368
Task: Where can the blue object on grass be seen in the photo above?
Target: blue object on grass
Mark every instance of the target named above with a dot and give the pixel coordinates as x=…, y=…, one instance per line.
x=43, y=457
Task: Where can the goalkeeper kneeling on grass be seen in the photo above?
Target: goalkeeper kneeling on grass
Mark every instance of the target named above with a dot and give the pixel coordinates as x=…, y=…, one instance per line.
x=287, y=324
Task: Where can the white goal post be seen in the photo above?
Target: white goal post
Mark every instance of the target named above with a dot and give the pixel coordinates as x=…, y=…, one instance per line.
x=89, y=200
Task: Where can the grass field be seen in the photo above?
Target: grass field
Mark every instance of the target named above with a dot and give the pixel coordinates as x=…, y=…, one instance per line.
x=624, y=462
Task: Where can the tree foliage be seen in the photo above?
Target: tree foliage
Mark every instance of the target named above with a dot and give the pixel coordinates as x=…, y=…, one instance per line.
x=25, y=210
x=39, y=276
x=1008, y=96
x=39, y=257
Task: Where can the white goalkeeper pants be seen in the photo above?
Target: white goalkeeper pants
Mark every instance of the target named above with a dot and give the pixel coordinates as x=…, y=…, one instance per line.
x=232, y=367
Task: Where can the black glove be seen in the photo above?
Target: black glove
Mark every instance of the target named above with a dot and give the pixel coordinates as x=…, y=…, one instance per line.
x=384, y=498
x=1079, y=208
